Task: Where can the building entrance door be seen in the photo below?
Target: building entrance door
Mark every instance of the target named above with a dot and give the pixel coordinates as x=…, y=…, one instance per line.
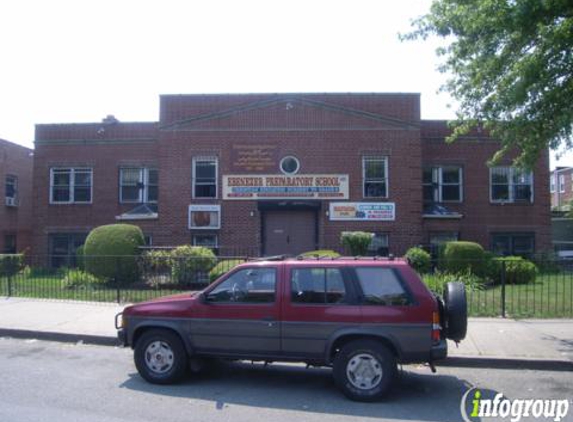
x=289, y=232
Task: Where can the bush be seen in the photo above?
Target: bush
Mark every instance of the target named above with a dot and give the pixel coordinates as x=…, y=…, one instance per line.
x=321, y=253
x=188, y=263
x=77, y=278
x=157, y=261
x=437, y=281
x=460, y=257
x=517, y=270
x=11, y=264
x=111, y=252
x=547, y=262
x=223, y=267
x=419, y=259
x=356, y=242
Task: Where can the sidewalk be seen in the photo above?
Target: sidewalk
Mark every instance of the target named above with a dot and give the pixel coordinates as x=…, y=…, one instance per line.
x=492, y=340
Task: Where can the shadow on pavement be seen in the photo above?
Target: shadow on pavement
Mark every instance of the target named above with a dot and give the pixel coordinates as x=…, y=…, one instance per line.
x=418, y=394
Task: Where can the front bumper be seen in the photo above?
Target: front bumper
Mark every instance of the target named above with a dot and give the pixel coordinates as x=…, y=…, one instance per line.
x=439, y=351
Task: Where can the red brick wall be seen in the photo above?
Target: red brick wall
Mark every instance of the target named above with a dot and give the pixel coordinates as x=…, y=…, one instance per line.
x=16, y=160
x=329, y=133
x=480, y=217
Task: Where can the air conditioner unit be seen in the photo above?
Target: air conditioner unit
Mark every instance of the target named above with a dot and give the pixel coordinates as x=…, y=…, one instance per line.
x=11, y=202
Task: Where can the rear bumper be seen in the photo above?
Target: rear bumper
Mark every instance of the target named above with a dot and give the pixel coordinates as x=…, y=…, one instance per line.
x=439, y=351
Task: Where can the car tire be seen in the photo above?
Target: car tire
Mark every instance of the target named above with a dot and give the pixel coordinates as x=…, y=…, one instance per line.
x=364, y=370
x=160, y=357
x=455, y=311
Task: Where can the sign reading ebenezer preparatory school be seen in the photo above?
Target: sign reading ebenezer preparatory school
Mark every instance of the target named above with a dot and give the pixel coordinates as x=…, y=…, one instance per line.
x=300, y=186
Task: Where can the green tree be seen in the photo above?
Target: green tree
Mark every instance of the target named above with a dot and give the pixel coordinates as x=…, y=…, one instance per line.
x=511, y=67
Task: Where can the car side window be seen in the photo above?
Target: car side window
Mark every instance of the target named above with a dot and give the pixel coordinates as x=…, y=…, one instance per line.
x=381, y=286
x=317, y=285
x=250, y=285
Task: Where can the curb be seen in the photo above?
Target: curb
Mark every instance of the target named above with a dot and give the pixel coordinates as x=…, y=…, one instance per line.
x=450, y=362
x=59, y=337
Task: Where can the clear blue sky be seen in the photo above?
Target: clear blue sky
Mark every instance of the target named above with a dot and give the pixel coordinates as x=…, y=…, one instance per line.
x=77, y=61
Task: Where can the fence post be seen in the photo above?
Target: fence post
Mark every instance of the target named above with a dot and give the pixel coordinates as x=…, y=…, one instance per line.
x=503, y=288
x=117, y=289
x=9, y=286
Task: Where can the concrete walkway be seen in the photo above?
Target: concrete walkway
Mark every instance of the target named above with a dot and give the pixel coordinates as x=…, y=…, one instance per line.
x=490, y=340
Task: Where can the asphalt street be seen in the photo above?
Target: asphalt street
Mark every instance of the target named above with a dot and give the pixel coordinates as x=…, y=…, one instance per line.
x=46, y=381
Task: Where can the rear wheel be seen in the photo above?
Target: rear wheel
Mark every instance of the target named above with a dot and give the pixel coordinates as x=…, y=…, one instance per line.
x=160, y=357
x=364, y=370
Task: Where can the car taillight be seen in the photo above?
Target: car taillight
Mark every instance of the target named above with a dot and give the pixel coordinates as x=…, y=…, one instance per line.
x=436, y=327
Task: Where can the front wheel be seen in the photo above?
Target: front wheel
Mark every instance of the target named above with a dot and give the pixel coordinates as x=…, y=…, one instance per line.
x=364, y=370
x=160, y=357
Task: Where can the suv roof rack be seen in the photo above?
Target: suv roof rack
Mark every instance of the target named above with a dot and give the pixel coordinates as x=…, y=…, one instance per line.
x=271, y=258
x=318, y=257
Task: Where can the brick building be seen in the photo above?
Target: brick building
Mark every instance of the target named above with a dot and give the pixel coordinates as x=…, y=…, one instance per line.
x=283, y=173
x=561, y=188
x=16, y=164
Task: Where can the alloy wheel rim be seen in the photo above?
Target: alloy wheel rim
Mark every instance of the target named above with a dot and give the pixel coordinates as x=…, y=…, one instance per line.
x=364, y=371
x=159, y=357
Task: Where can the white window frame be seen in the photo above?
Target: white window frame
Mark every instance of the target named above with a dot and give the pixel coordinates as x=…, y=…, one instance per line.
x=143, y=179
x=14, y=182
x=193, y=175
x=370, y=158
x=552, y=184
x=72, y=171
x=437, y=173
x=561, y=183
x=511, y=199
x=204, y=208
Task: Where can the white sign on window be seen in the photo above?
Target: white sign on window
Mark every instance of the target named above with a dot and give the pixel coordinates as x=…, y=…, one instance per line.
x=204, y=217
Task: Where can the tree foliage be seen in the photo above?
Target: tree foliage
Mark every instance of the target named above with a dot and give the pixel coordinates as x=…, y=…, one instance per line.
x=511, y=67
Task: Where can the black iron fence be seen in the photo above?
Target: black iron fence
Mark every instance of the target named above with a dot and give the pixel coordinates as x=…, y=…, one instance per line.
x=505, y=289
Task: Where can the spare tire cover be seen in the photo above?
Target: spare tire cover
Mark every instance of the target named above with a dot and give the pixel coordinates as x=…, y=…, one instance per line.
x=455, y=311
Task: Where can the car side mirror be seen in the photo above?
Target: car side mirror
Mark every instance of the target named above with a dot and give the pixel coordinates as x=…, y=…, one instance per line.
x=201, y=298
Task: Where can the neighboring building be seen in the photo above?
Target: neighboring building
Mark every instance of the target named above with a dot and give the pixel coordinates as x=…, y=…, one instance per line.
x=561, y=188
x=16, y=164
x=284, y=173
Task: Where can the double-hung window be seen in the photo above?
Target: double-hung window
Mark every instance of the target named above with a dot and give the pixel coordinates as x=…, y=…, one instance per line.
x=375, y=177
x=442, y=184
x=552, y=184
x=561, y=183
x=138, y=185
x=11, y=190
x=70, y=185
x=205, y=177
x=510, y=184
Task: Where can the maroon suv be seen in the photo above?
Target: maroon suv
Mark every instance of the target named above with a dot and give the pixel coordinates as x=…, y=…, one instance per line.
x=360, y=316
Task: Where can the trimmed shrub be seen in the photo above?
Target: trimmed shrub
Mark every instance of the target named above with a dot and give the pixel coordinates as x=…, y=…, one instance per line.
x=460, y=257
x=517, y=270
x=547, y=262
x=157, y=261
x=111, y=252
x=223, y=267
x=419, y=259
x=356, y=242
x=11, y=264
x=321, y=253
x=189, y=263
x=77, y=278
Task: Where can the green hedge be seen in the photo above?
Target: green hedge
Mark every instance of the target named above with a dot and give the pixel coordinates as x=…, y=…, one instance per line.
x=111, y=251
x=517, y=270
x=461, y=257
x=419, y=259
x=11, y=264
x=321, y=253
x=189, y=262
x=223, y=267
x=356, y=242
